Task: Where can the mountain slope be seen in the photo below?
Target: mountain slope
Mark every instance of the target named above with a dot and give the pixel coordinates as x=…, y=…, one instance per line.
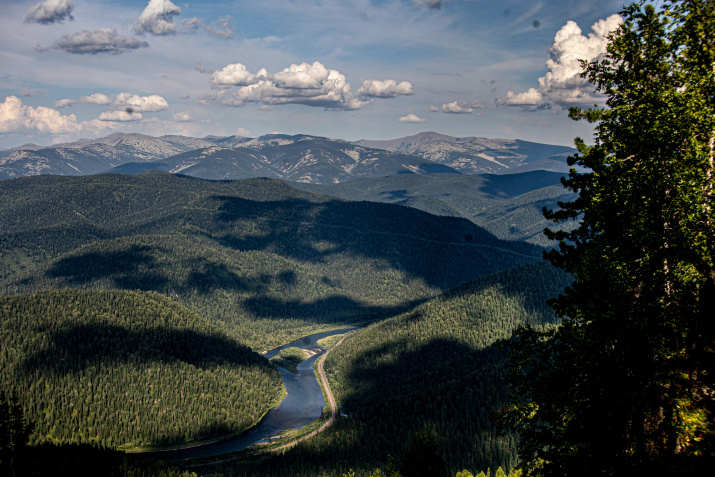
x=509, y=205
x=439, y=364
x=95, y=156
x=262, y=259
x=299, y=158
x=472, y=155
x=127, y=369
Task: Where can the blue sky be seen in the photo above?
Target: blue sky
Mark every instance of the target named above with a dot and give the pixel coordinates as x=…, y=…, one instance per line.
x=347, y=69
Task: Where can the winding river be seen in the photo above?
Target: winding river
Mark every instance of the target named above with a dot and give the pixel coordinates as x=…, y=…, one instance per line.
x=302, y=405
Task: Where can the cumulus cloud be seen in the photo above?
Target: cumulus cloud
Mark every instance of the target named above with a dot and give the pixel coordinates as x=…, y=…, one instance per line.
x=532, y=97
x=17, y=117
x=101, y=40
x=433, y=108
x=563, y=84
x=308, y=84
x=123, y=116
x=182, y=116
x=235, y=74
x=138, y=103
x=124, y=107
x=64, y=103
x=461, y=107
x=96, y=98
x=157, y=18
x=411, y=118
x=384, y=89
x=50, y=11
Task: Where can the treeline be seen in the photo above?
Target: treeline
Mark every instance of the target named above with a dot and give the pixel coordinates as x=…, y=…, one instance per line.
x=439, y=364
x=127, y=369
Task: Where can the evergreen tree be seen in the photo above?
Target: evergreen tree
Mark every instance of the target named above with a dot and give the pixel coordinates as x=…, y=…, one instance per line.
x=421, y=457
x=14, y=434
x=626, y=380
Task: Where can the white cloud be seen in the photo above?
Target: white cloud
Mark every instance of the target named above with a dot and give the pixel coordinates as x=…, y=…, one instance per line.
x=182, y=116
x=50, y=11
x=563, y=84
x=461, y=107
x=122, y=101
x=306, y=76
x=101, y=40
x=305, y=83
x=244, y=132
x=384, y=89
x=235, y=74
x=64, y=103
x=433, y=108
x=532, y=97
x=138, y=103
x=157, y=18
x=96, y=98
x=411, y=118
x=123, y=116
x=17, y=117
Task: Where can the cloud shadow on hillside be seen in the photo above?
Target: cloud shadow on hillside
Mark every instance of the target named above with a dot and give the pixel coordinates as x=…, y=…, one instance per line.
x=442, y=251
x=401, y=387
x=79, y=345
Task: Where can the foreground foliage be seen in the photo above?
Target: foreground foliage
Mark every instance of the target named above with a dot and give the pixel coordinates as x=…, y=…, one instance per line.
x=127, y=369
x=627, y=381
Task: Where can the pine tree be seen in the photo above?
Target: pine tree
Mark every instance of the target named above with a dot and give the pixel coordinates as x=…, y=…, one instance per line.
x=626, y=381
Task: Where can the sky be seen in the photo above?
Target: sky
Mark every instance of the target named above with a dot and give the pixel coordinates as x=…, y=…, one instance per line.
x=344, y=69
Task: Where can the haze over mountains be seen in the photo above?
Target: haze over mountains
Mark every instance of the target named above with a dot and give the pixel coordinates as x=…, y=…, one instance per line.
x=299, y=158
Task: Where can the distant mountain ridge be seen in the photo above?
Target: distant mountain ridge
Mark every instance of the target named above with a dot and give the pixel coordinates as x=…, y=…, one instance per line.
x=299, y=158
x=478, y=155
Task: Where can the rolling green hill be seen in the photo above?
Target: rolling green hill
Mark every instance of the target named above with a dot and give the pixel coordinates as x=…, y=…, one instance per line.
x=127, y=369
x=509, y=206
x=262, y=259
x=440, y=364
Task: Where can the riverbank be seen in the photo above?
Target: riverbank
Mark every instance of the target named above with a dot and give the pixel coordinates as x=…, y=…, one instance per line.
x=205, y=442
x=303, y=404
x=325, y=387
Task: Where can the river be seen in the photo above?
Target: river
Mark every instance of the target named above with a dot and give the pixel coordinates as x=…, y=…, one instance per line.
x=302, y=405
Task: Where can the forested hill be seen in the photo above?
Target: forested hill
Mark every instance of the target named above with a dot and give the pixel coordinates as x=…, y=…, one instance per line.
x=437, y=364
x=509, y=205
x=262, y=259
x=127, y=369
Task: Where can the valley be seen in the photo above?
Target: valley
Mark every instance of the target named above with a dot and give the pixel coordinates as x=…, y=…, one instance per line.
x=435, y=266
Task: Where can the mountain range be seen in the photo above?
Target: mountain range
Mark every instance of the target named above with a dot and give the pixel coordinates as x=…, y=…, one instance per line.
x=299, y=158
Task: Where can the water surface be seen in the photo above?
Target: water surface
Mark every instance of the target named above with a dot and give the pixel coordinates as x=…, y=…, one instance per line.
x=302, y=405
